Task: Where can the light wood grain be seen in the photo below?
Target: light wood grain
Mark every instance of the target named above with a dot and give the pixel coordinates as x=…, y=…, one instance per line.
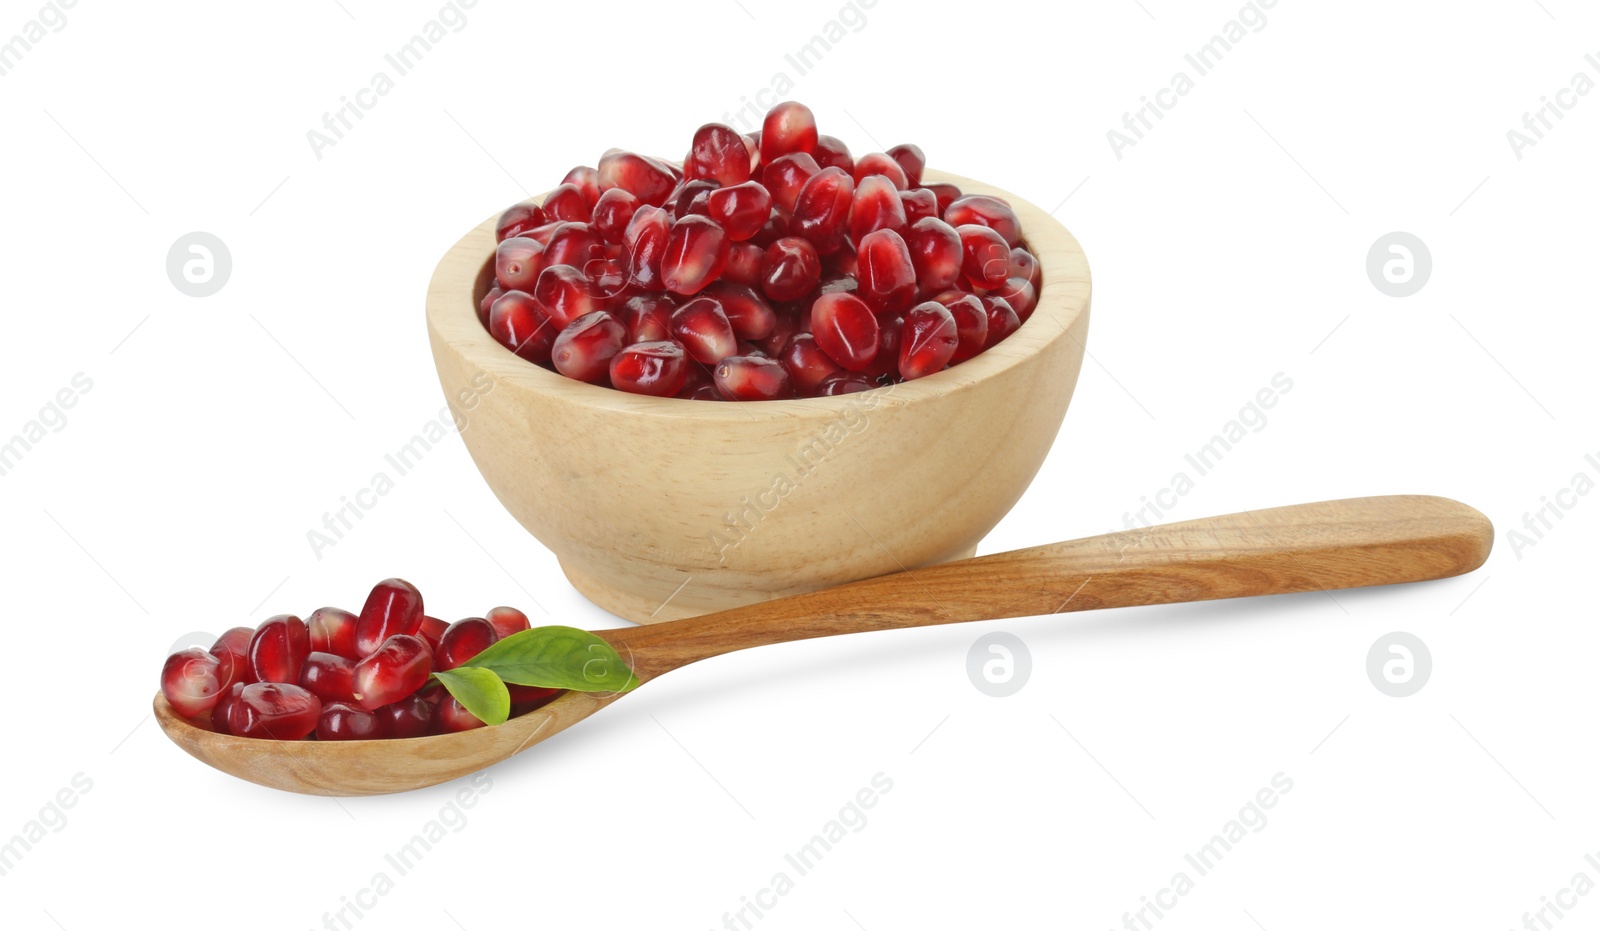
x=1324, y=546
x=628, y=490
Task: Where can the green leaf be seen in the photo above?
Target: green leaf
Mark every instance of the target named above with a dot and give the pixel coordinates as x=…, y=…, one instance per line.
x=480, y=691
x=557, y=658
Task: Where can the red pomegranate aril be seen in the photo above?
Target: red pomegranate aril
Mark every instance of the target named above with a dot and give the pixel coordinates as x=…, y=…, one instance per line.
x=566, y=202
x=647, y=317
x=394, y=606
x=518, y=220
x=489, y=297
x=885, y=276
x=612, y=213
x=232, y=651
x=279, y=648
x=1003, y=320
x=911, y=160
x=702, y=327
x=935, y=254
x=918, y=204
x=845, y=383
x=506, y=621
x=822, y=210
x=876, y=206
x=463, y=640
x=1024, y=265
x=886, y=364
x=972, y=323
x=718, y=153
x=833, y=153
x=785, y=323
x=807, y=364
x=776, y=227
x=929, y=340
x=333, y=631
x=658, y=368
x=846, y=329
x=944, y=194
x=644, y=178
x=525, y=698
x=517, y=263
x=788, y=127
x=744, y=263
x=742, y=209
x=607, y=278
x=453, y=717
x=697, y=252
x=584, y=348
x=748, y=312
x=344, y=721
x=785, y=177
x=518, y=322
x=985, y=257
x=191, y=681
x=329, y=677
x=275, y=711
x=409, y=717
x=790, y=269
x=1020, y=295
x=691, y=197
x=430, y=630
x=220, y=711
x=574, y=244
x=702, y=392
x=983, y=210
x=878, y=163
x=586, y=180
x=752, y=378
x=396, y=669
x=564, y=294
x=646, y=243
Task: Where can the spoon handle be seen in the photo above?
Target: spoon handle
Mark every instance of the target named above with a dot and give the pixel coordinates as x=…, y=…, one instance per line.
x=1324, y=546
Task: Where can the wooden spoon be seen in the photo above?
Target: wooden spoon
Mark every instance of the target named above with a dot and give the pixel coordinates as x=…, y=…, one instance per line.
x=1309, y=547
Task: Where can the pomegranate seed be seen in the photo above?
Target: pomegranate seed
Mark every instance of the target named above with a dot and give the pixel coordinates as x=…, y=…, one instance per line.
x=518, y=220
x=877, y=163
x=703, y=328
x=566, y=202
x=394, y=606
x=430, y=630
x=453, y=717
x=409, y=717
x=396, y=669
x=542, y=234
x=785, y=323
x=525, y=698
x=822, y=209
x=607, y=278
x=329, y=677
x=517, y=263
x=279, y=648
x=944, y=194
x=742, y=209
x=985, y=256
x=919, y=204
x=219, y=712
x=885, y=277
x=519, y=323
x=506, y=621
x=744, y=263
x=564, y=295
x=463, y=640
x=691, y=197
x=785, y=177
x=846, y=329
x=752, y=378
x=1024, y=265
x=807, y=364
x=232, y=651
x=832, y=153
x=647, y=317
x=776, y=227
x=983, y=210
x=911, y=161
x=191, y=681
x=489, y=297
x=344, y=721
x=845, y=262
x=886, y=364
x=646, y=242
x=586, y=180
x=1020, y=295
x=1003, y=320
x=748, y=312
x=573, y=244
x=333, y=631
x=718, y=153
x=876, y=207
x=789, y=127
x=972, y=323
x=837, y=281
x=274, y=710
x=935, y=253
x=790, y=269
x=612, y=214
x=583, y=349
x=703, y=392
x=697, y=251
x=929, y=340
x=644, y=178
x=656, y=367
x=845, y=383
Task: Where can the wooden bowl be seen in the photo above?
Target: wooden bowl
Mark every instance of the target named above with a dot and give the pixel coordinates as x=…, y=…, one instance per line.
x=661, y=508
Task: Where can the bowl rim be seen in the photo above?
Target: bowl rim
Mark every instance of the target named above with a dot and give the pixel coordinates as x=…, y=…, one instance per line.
x=452, y=316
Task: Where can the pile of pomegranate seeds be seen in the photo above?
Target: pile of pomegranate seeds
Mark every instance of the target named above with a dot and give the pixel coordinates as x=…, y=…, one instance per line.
x=772, y=265
x=340, y=676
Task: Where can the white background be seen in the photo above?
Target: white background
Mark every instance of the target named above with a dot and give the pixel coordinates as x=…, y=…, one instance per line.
x=1227, y=246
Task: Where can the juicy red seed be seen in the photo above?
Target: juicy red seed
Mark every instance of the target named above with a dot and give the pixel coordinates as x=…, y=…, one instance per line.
x=219, y=713
x=191, y=681
x=519, y=323
x=646, y=242
x=657, y=367
x=807, y=364
x=274, y=710
x=583, y=349
x=430, y=630
x=453, y=716
x=845, y=383
x=776, y=227
x=935, y=253
x=394, y=606
x=647, y=317
x=644, y=178
x=333, y=631
x=607, y=278
x=983, y=210
x=877, y=163
x=518, y=220
x=564, y=294
x=408, y=717
x=886, y=364
x=566, y=202
x=507, y=621
x=919, y=204
x=785, y=177
x=489, y=297
x=742, y=209
x=279, y=648
x=691, y=197
x=232, y=651
x=517, y=263
x=822, y=209
x=329, y=677
x=744, y=263
x=697, y=252
x=944, y=194
x=972, y=323
x=846, y=329
x=703, y=392
x=1020, y=295
x=911, y=160
x=885, y=276
x=789, y=127
x=1003, y=320
x=752, y=378
x=785, y=323
x=344, y=721
x=929, y=340
x=587, y=180
x=574, y=244
x=525, y=698
x=877, y=206
x=832, y=153
x=1024, y=265
x=612, y=214
x=748, y=312
x=703, y=328
x=985, y=257
x=396, y=669
x=463, y=640
x=718, y=153
x=790, y=269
